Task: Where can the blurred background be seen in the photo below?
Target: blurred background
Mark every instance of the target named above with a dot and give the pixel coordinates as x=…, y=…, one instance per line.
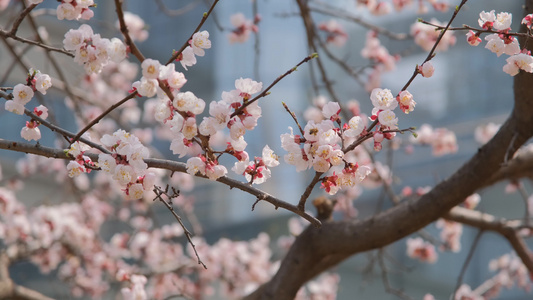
x=467, y=90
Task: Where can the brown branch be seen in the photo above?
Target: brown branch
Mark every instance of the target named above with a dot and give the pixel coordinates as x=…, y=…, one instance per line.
x=124, y=29
x=174, y=166
x=308, y=190
x=6, y=34
x=336, y=12
x=507, y=228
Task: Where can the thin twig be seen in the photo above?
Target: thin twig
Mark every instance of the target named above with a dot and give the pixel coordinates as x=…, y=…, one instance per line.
x=159, y=192
x=102, y=115
x=335, y=12
x=293, y=115
x=467, y=262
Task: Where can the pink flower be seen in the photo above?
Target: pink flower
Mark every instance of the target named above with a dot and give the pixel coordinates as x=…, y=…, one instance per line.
x=486, y=19
x=407, y=104
x=336, y=33
x=41, y=111
x=136, y=26
x=426, y=69
x=243, y=28
x=472, y=38
x=426, y=36
x=417, y=248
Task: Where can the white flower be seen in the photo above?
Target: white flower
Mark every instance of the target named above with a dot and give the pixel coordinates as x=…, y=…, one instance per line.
x=188, y=102
x=187, y=58
x=30, y=133
x=248, y=86
x=150, y=68
x=176, y=80
x=67, y=11
x=178, y=146
x=331, y=109
x=269, y=158
x=207, y=126
x=485, y=17
x=162, y=111
x=356, y=126
x=495, y=44
x=42, y=82
x=388, y=118
x=195, y=165
x=199, y=42
x=75, y=169
x=116, y=50
x=107, y=162
x=135, y=191
x=427, y=69
x=503, y=21
x=518, y=62
x=237, y=130
x=382, y=99
x=146, y=87
x=189, y=130
x=14, y=107
x=124, y=174
x=215, y=171
x=320, y=164
x=22, y=93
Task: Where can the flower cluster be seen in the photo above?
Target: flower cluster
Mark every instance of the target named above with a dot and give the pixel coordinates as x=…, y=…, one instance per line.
x=257, y=171
x=502, y=42
x=336, y=34
x=426, y=36
x=235, y=111
x=91, y=50
x=23, y=93
x=126, y=163
x=419, y=249
x=197, y=44
x=153, y=73
x=74, y=9
x=320, y=148
x=243, y=28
